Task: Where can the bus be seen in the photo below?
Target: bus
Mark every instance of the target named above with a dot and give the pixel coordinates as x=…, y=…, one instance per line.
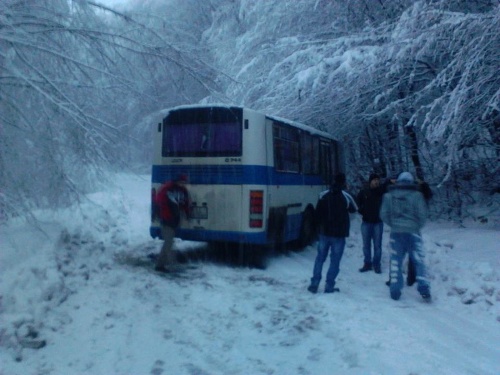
x=252, y=178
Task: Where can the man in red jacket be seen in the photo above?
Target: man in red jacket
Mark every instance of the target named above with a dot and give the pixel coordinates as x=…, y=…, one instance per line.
x=172, y=197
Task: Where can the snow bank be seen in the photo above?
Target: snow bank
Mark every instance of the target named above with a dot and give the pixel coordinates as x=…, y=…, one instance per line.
x=68, y=306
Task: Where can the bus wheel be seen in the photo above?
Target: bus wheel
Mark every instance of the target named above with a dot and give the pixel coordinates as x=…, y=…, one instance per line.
x=238, y=254
x=252, y=256
x=307, y=230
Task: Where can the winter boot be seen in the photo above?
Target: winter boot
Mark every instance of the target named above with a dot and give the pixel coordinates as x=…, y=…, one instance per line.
x=331, y=289
x=161, y=269
x=426, y=297
x=425, y=293
x=366, y=267
x=313, y=289
x=395, y=294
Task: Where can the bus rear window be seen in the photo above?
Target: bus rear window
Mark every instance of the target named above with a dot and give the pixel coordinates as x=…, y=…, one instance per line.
x=202, y=134
x=202, y=140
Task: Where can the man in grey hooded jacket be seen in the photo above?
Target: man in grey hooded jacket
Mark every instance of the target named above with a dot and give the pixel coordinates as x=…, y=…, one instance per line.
x=404, y=210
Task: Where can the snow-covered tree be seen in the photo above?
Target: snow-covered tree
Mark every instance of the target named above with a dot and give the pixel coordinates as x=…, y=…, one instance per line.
x=73, y=75
x=406, y=85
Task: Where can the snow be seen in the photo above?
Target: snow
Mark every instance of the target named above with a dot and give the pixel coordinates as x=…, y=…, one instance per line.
x=61, y=283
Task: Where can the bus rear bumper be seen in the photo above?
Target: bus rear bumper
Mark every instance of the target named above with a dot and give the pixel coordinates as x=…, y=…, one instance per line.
x=258, y=238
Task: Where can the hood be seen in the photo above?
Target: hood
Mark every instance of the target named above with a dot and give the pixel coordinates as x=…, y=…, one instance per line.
x=402, y=188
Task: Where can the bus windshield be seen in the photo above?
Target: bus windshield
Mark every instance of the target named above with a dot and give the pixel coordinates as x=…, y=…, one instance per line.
x=206, y=135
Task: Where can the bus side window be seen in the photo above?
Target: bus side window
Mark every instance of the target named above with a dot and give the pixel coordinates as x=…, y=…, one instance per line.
x=306, y=153
x=335, y=158
x=286, y=148
x=310, y=154
x=315, y=155
x=326, y=162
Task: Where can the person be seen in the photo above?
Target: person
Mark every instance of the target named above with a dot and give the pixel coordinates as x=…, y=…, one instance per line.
x=424, y=188
x=427, y=193
x=369, y=201
x=172, y=199
x=332, y=218
x=404, y=210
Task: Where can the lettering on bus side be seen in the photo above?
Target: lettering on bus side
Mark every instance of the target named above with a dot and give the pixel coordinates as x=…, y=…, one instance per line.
x=176, y=160
x=233, y=160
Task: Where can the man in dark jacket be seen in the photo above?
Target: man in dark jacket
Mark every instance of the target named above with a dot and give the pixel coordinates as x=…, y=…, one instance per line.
x=369, y=201
x=172, y=197
x=332, y=218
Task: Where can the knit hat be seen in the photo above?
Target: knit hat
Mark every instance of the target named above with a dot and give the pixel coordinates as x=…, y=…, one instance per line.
x=405, y=177
x=373, y=176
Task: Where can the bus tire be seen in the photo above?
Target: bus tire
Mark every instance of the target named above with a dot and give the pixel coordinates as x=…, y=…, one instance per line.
x=307, y=229
x=276, y=227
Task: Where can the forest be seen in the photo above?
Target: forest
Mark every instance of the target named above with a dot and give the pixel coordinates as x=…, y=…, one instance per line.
x=404, y=84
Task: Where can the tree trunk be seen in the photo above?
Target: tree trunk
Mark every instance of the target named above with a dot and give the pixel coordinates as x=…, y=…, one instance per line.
x=415, y=158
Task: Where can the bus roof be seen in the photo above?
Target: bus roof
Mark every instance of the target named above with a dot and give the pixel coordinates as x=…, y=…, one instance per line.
x=299, y=125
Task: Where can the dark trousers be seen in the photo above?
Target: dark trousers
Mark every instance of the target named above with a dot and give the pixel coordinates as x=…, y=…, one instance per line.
x=411, y=276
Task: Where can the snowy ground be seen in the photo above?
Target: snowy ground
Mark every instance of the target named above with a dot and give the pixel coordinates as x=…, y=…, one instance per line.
x=62, y=286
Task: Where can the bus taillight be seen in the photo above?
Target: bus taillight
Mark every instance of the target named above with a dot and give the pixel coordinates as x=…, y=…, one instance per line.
x=256, y=208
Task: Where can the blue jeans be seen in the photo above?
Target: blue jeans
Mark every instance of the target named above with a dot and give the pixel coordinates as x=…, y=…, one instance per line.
x=411, y=243
x=336, y=244
x=372, y=232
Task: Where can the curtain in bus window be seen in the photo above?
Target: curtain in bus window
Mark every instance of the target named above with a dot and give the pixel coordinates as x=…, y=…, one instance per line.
x=309, y=154
x=286, y=149
x=222, y=139
x=315, y=155
x=226, y=139
x=335, y=161
x=325, y=161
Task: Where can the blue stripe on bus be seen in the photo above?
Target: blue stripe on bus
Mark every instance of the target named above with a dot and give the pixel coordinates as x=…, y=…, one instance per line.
x=232, y=175
x=292, y=231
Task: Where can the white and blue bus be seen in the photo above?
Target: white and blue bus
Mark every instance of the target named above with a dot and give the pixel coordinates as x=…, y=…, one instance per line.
x=252, y=178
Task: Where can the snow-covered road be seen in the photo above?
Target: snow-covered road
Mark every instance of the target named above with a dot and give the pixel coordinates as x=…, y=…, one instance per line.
x=99, y=316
